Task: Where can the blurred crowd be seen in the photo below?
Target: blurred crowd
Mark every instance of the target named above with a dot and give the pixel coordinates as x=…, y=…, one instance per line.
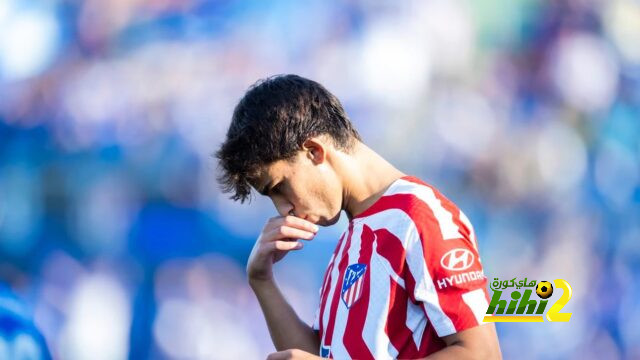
x=117, y=243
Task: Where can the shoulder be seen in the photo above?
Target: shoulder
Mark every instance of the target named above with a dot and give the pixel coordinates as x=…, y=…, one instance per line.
x=414, y=197
x=420, y=197
x=412, y=206
x=412, y=203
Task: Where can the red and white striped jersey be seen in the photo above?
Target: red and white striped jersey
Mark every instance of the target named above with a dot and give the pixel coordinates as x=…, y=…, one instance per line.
x=405, y=273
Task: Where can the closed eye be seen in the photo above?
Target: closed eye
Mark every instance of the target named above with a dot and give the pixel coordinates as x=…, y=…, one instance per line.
x=275, y=189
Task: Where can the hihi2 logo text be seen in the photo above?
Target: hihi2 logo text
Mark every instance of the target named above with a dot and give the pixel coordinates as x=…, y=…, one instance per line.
x=522, y=303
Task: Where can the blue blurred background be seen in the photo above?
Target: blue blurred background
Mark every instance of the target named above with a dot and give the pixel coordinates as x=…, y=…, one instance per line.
x=118, y=243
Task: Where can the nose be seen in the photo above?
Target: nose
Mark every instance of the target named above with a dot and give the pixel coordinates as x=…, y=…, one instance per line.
x=292, y=213
x=283, y=206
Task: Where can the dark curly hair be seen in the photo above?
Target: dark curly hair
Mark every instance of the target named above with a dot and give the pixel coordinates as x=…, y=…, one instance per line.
x=271, y=122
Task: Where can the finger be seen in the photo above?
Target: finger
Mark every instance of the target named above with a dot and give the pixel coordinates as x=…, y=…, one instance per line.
x=285, y=245
x=284, y=232
x=300, y=223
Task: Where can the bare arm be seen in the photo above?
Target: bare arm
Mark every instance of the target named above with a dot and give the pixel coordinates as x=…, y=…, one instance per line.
x=286, y=329
x=276, y=240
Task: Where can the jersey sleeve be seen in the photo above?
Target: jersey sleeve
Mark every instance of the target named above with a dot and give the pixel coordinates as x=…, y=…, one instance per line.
x=445, y=274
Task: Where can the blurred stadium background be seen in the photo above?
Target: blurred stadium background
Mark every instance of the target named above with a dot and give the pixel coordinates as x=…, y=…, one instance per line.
x=116, y=242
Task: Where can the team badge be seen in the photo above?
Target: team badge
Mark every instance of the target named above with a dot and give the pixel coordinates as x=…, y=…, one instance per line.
x=353, y=283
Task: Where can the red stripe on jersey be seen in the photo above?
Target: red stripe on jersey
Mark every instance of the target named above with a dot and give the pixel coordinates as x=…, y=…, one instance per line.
x=352, y=339
x=389, y=246
x=342, y=266
x=396, y=328
x=431, y=342
x=401, y=337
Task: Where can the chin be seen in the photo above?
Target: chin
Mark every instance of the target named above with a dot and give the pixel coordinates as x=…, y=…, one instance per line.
x=324, y=222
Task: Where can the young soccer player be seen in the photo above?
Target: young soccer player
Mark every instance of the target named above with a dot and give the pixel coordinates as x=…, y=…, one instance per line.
x=405, y=279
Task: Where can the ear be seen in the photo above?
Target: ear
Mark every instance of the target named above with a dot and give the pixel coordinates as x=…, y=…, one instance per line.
x=315, y=150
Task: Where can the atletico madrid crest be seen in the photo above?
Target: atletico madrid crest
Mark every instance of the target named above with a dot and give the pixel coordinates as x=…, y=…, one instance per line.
x=353, y=284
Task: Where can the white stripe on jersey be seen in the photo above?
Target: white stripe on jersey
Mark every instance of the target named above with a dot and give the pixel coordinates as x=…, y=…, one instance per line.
x=448, y=227
x=476, y=301
x=465, y=220
x=342, y=313
x=416, y=321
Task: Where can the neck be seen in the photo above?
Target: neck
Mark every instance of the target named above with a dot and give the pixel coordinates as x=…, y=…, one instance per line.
x=366, y=176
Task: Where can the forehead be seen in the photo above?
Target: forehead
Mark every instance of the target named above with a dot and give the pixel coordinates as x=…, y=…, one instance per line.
x=270, y=172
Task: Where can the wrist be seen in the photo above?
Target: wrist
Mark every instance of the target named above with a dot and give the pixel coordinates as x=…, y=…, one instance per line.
x=257, y=283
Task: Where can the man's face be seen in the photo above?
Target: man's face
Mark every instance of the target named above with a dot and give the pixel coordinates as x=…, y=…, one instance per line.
x=303, y=187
